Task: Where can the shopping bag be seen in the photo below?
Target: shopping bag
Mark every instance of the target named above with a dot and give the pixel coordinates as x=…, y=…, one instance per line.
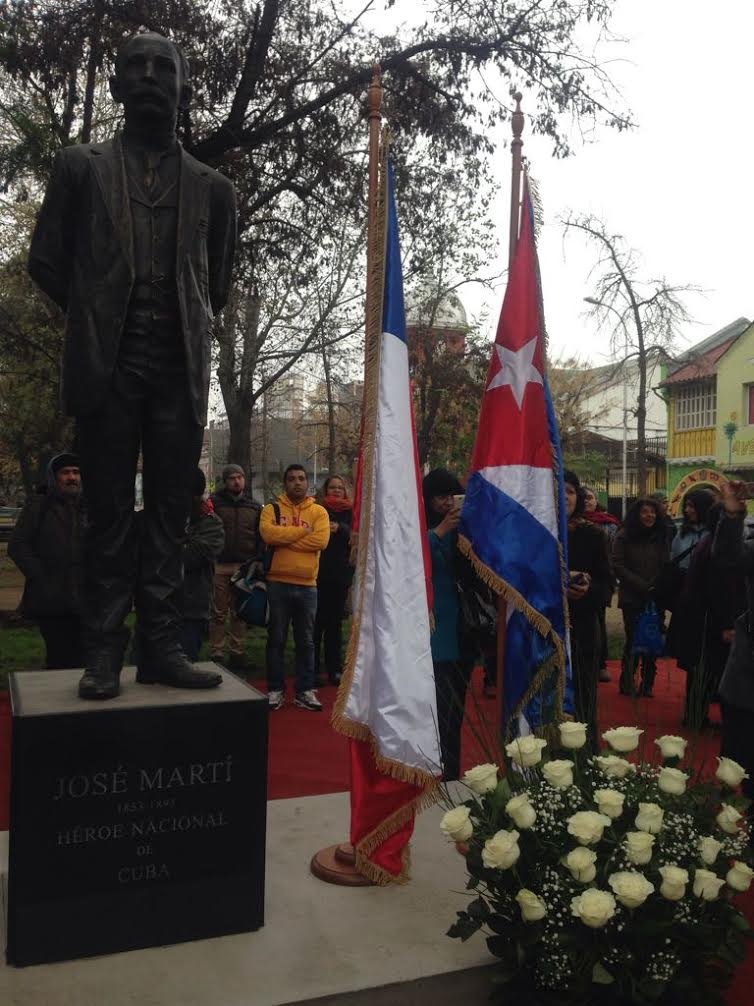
x=648, y=638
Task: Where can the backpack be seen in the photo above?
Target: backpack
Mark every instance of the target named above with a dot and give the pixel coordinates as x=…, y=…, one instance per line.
x=249, y=585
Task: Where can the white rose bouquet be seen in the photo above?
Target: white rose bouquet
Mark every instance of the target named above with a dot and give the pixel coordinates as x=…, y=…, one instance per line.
x=602, y=879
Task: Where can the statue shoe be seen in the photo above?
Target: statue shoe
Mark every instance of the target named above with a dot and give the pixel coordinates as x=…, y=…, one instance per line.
x=172, y=668
x=101, y=678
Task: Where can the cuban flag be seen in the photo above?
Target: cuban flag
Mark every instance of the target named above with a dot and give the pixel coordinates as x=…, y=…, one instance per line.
x=513, y=523
x=386, y=701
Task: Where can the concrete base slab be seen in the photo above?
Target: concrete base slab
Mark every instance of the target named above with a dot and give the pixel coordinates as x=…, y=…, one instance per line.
x=318, y=941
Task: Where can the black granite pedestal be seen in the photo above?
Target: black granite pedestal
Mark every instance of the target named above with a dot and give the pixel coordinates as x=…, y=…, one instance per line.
x=135, y=822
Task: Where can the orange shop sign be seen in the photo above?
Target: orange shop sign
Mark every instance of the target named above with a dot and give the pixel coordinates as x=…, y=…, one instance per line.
x=699, y=477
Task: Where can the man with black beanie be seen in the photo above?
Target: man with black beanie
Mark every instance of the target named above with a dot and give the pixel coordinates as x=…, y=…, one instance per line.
x=46, y=547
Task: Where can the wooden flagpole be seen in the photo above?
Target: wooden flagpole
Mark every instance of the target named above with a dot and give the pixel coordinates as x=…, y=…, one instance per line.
x=337, y=863
x=517, y=127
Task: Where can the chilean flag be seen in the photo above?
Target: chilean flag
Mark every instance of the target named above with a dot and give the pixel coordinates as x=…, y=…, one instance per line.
x=386, y=701
x=513, y=523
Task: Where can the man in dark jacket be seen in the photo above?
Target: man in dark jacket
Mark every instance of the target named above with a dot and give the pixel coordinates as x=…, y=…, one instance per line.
x=731, y=550
x=203, y=544
x=46, y=547
x=240, y=516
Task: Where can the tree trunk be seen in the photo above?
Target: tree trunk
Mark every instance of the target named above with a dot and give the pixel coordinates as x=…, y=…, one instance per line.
x=239, y=445
x=331, y=452
x=264, y=462
x=641, y=409
x=95, y=49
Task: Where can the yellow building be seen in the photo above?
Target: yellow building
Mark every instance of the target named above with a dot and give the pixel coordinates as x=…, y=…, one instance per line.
x=710, y=400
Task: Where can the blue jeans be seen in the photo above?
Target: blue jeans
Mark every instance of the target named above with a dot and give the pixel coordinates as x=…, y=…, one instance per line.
x=291, y=603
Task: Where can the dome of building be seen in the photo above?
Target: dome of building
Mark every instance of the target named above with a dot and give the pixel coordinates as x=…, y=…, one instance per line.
x=422, y=308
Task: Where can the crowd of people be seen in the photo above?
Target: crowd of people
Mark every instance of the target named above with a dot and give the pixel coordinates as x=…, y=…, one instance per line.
x=693, y=589
x=689, y=578
x=304, y=544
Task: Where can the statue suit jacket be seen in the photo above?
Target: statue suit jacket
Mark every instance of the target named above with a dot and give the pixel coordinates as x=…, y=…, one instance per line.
x=82, y=257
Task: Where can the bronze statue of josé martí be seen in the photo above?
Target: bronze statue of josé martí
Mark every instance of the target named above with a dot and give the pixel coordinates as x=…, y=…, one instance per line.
x=135, y=242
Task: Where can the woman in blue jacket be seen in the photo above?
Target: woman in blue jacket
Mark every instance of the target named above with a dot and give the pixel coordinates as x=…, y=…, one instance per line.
x=451, y=660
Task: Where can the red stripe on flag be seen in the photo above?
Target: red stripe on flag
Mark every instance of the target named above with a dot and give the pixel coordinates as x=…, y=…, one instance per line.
x=382, y=813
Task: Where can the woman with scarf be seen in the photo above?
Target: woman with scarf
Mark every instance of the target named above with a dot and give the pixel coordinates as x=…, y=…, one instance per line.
x=595, y=514
x=588, y=587
x=334, y=579
x=696, y=505
x=640, y=550
x=682, y=630
x=452, y=657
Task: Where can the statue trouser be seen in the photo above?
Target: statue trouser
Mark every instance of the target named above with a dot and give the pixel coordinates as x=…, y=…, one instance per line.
x=135, y=557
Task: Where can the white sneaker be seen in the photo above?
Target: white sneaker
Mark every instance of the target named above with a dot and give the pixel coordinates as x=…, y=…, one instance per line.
x=308, y=700
x=276, y=700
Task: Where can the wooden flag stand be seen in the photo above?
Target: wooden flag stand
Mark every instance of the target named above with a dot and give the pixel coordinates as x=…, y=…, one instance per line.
x=337, y=863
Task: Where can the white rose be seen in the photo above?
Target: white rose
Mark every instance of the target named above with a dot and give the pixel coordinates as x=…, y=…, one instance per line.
x=581, y=864
x=572, y=735
x=671, y=746
x=613, y=767
x=532, y=908
x=522, y=812
x=501, y=851
x=456, y=824
x=481, y=778
x=639, y=847
x=594, y=908
x=587, y=826
x=739, y=876
x=650, y=818
x=623, y=738
x=526, y=751
x=674, y=881
x=707, y=885
x=559, y=773
x=730, y=772
x=631, y=889
x=672, y=781
x=709, y=848
x=728, y=819
x=610, y=802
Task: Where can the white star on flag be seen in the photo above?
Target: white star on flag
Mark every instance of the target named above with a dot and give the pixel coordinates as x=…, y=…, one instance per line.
x=516, y=370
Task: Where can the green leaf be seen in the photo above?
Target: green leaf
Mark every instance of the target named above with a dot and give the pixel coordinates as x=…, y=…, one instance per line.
x=500, y=796
x=652, y=989
x=600, y=975
x=464, y=928
x=477, y=909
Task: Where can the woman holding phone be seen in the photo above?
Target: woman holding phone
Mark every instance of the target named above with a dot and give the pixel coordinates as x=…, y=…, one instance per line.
x=452, y=658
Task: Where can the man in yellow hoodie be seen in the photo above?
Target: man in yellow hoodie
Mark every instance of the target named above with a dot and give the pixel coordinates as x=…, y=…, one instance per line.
x=299, y=536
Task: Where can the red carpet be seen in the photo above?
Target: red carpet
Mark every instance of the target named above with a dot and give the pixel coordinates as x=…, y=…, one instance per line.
x=307, y=757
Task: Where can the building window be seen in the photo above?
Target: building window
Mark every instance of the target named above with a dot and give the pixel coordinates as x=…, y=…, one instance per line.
x=750, y=389
x=696, y=406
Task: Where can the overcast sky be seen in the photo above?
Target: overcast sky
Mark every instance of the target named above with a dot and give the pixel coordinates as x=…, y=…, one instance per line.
x=678, y=187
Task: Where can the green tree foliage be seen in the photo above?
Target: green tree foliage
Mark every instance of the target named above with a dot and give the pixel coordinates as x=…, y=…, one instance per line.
x=32, y=427
x=278, y=106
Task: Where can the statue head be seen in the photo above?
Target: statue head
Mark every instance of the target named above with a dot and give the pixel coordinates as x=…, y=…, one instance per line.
x=151, y=79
